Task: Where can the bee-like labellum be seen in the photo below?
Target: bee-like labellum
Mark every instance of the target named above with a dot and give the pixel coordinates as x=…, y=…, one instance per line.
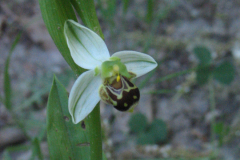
x=122, y=94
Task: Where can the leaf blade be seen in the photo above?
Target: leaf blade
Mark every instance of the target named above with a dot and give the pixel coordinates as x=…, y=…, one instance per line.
x=86, y=10
x=137, y=123
x=158, y=129
x=203, y=54
x=65, y=139
x=224, y=73
x=54, y=14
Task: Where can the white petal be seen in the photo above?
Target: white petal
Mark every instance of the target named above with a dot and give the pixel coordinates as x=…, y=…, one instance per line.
x=88, y=50
x=136, y=62
x=84, y=95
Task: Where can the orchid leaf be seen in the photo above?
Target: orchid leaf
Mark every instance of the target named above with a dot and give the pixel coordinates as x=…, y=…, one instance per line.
x=65, y=139
x=86, y=10
x=54, y=14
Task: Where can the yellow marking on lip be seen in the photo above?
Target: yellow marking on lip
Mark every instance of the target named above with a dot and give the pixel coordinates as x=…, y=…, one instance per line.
x=125, y=104
x=134, y=97
x=118, y=78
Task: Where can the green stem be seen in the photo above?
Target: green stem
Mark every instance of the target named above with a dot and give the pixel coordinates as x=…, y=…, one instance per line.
x=176, y=74
x=173, y=75
x=162, y=91
x=94, y=129
x=212, y=108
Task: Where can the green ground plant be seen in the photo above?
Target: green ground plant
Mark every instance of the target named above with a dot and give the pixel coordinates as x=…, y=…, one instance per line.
x=148, y=133
x=224, y=73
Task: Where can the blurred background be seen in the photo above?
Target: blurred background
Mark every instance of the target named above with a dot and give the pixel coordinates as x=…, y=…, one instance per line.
x=189, y=107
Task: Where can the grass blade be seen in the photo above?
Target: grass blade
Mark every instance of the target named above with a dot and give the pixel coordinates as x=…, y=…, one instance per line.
x=149, y=15
x=7, y=80
x=125, y=6
x=36, y=150
x=176, y=74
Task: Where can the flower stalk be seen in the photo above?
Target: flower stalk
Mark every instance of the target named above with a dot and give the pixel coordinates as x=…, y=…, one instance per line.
x=93, y=122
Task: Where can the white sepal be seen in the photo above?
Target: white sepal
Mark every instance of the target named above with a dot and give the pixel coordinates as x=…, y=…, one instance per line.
x=87, y=49
x=84, y=95
x=136, y=62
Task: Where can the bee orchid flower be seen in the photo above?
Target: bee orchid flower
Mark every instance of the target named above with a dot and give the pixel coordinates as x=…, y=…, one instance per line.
x=108, y=77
